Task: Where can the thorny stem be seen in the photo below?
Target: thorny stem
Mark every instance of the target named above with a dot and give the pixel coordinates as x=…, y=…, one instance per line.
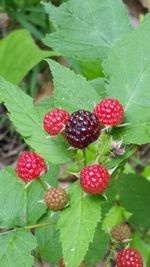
x=109, y=257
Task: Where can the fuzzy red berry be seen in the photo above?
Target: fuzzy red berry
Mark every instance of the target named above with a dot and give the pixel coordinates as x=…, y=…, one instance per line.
x=55, y=120
x=110, y=112
x=30, y=166
x=94, y=179
x=56, y=198
x=82, y=129
x=129, y=257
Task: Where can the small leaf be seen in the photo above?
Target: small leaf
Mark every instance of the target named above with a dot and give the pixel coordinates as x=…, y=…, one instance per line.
x=99, y=86
x=72, y=91
x=98, y=247
x=129, y=82
x=112, y=218
x=19, y=204
x=28, y=122
x=34, y=210
x=48, y=238
x=78, y=231
x=11, y=199
x=19, y=54
x=87, y=29
x=15, y=249
x=36, y=192
x=134, y=192
x=51, y=177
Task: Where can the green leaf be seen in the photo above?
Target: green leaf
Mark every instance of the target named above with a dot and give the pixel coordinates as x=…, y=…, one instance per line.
x=72, y=91
x=77, y=226
x=134, y=192
x=19, y=204
x=34, y=210
x=36, y=192
x=89, y=69
x=29, y=124
x=146, y=172
x=87, y=29
x=48, y=238
x=19, y=54
x=129, y=82
x=99, y=86
x=51, y=177
x=15, y=249
x=112, y=218
x=144, y=248
x=11, y=199
x=98, y=247
x=44, y=106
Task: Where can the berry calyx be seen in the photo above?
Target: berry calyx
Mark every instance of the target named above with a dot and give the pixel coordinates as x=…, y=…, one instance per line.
x=82, y=129
x=56, y=198
x=61, y=263
x=121, y=232
x=94, y=179
x=55, y=120
x=30, y=166
x=110, y=112
x=129, y=257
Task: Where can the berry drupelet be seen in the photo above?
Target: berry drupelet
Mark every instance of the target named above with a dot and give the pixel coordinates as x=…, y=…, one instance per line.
x=30, y=166
x=55, y=120
x=110, y=112
x=129, y=257
x=82, y=129
x=56, y=198
x=94, y=179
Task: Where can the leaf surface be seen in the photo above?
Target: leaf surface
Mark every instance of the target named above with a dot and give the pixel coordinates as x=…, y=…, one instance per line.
x=128, y=67
x=87, y=29
x=15, y=249
x=78, y=231
x=30, y=124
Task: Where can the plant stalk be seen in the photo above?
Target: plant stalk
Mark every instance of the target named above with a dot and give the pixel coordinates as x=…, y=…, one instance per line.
x=109, y=257
x=38, y=225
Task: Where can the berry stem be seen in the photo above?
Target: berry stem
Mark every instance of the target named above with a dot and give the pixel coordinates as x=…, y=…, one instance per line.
x=38, y=225
x=109, y=257
x=84, y=157
x=43, y=185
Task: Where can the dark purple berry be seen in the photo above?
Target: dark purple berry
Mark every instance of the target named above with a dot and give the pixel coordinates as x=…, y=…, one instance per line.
x=82, y=129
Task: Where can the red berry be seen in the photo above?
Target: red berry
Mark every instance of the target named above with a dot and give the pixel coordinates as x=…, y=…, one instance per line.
x=110, y=112
x=55, y=120
x=30, y=166
x=94, y=179
x=82, y=129
x=129, y=257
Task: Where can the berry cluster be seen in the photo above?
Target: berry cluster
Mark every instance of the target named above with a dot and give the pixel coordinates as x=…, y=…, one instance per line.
x=81, y=129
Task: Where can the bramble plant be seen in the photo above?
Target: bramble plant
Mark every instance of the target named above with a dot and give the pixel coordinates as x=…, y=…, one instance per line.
x=99, y=113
